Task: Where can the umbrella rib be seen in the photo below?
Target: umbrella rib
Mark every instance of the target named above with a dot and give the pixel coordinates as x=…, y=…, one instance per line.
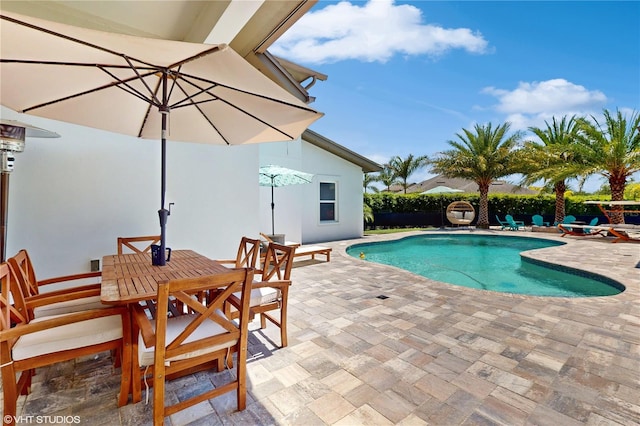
x=124, y=85
x=135, y=70
x=117, y=83
x=104, y=49
x=189, y=98
x=235, y=89
x=196, y=105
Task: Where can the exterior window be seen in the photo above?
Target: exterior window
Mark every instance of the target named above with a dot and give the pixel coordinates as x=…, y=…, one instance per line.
x=328, y=203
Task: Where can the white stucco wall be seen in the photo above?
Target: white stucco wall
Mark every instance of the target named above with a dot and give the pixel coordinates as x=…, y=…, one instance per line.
x=297, y=206
x=348, y=177
x=70, y=198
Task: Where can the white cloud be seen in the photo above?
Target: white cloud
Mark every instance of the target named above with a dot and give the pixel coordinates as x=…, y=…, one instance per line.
x=530, y=104
x=373, y=32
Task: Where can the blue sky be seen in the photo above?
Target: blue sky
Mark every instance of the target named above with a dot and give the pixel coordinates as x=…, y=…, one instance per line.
x=406, y=76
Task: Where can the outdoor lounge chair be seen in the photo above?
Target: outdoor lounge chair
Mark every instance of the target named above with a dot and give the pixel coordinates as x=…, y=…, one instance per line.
x=503, y=223
x=538, y=220
x=514, y=225
x=302, y=250
x=625, y=235
x=582, y=230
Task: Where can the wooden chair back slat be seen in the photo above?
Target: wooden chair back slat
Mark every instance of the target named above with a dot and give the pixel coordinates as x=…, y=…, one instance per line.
x=169, y=357
x=278, y=262
x=137, y=244
x=248, y=253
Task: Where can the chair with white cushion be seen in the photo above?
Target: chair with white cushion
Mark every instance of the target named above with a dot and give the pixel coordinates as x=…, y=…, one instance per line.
x=41, y=302
x=173, y=346
x=271, y=293
x=29, y=344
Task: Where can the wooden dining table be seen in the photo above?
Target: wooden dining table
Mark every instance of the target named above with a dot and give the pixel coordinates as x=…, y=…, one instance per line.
x=131, y=278
x=128, y=279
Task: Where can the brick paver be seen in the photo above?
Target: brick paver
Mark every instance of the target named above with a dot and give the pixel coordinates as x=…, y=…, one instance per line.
x=431, y=353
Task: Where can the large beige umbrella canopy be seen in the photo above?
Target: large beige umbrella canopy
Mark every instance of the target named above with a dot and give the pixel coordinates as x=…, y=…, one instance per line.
x=149, y=88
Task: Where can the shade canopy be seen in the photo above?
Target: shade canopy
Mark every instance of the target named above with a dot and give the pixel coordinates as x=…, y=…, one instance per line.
x=115, y=82
x=148, y=88
x=281, y=176
x=275, y=176
x=441, y=190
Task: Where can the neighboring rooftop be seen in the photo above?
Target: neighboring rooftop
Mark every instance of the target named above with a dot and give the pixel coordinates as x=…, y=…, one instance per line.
x=497, y=187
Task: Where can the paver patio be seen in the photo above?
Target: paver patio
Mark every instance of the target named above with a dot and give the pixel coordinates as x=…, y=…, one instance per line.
x=431, y=353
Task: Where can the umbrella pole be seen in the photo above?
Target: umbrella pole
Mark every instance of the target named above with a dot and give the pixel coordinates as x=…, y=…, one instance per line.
x=163, y=213
x=272, y=207
x=4, y=207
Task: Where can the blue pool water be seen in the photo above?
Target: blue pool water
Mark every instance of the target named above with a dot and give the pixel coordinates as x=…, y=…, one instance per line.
x=484, y=262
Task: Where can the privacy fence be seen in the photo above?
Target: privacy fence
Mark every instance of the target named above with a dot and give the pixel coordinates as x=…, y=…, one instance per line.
x=423, y=210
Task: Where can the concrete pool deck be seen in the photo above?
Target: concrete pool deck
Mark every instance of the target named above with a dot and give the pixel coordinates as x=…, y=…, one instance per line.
x=430, y=353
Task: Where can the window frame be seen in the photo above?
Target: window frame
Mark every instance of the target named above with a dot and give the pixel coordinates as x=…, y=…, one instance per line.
x=334, y=201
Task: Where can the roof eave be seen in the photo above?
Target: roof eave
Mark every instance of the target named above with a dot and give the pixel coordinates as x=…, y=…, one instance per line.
x=328, y=145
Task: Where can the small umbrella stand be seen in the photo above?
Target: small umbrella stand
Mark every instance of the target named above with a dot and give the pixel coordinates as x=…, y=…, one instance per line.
x=12, y=140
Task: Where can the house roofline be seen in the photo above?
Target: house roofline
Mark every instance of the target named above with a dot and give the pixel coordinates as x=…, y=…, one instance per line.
x=328, y=145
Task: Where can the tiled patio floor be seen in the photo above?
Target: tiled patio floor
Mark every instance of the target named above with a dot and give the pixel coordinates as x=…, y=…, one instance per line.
x=431, y=353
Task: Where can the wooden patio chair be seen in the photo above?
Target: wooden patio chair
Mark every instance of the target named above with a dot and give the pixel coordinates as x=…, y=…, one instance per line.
x=41, y=303
x=271, y=293
x=192, y=342
x=247, y=256
x=26, y=345
x=137, y=244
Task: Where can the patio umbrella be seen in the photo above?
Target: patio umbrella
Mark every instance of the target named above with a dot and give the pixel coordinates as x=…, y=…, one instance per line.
x=275, y=176
x=12, y=141
x=441, y=189
x=132, y=85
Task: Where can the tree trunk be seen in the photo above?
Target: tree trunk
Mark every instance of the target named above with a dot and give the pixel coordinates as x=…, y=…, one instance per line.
x=559, y=188
x=483, y=213
x=617, y=184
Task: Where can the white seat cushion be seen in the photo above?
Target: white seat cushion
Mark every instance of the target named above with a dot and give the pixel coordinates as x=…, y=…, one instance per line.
x=175, y=325
x=76, y=305
x=261, y=296
x=70, y=336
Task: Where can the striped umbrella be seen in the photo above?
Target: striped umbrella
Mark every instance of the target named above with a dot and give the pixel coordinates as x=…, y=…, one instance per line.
x=275, y=176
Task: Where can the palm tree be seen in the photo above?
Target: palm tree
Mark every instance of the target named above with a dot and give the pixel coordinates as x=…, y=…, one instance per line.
x=403, y=168
x=483, y=156
x=367, y=182
x=387, y=177
x=548, y=161
x=611, y=149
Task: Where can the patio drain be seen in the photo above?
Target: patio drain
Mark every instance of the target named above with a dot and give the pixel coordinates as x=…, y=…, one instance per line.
x=382, y=296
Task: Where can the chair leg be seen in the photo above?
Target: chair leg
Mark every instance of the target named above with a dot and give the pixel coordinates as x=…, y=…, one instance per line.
x=158, y=396
x=263, y=321
x=10, y=394
x=283, y=316
x=126, y=368
x=241, y=371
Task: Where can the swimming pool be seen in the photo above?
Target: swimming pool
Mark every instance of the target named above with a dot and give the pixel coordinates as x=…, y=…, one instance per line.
x=486, y=262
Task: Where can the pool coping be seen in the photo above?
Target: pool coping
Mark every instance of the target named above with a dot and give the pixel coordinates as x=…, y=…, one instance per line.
x=620, y=267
